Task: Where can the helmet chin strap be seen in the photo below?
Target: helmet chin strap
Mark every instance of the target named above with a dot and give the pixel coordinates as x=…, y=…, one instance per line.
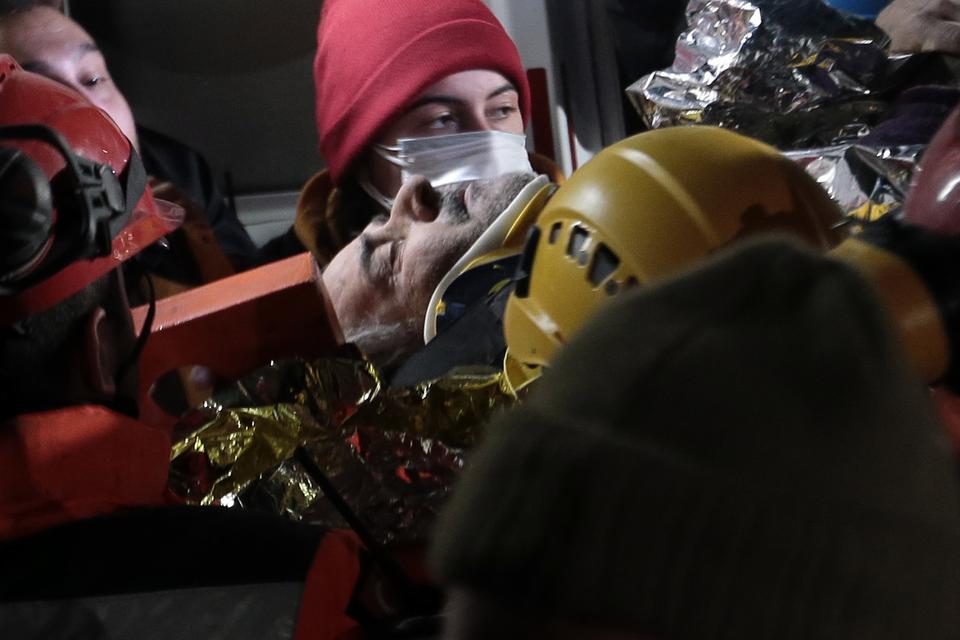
x=122, y=403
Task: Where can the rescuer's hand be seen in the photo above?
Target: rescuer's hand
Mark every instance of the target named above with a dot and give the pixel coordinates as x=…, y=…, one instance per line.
x=922, y=25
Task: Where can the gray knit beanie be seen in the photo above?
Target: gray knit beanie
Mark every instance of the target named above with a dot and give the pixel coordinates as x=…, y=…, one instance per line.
x=741, y=453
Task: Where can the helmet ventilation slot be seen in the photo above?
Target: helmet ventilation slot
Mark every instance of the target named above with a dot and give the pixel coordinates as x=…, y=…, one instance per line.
x=576, y=247
x=605, y=262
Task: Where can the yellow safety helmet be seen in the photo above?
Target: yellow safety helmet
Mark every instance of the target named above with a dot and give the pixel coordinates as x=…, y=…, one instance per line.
x=644, y=208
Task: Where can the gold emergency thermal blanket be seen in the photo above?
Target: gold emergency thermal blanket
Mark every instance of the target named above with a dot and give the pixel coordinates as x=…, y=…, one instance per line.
x=393, y=454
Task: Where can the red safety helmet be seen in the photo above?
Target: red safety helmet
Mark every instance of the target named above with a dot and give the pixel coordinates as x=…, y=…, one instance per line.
x=934, y=198
x=74, y=202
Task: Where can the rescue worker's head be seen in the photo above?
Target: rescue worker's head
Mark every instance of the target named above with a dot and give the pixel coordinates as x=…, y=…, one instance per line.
x=381, y=282
x=738, y=453
x=646, y=208
x=75, y=205
x=45, y=41
x=390, y=70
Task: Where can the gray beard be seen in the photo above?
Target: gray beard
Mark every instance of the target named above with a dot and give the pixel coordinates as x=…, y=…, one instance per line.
x=388, y=344
x=490, y=198
x=391, y=344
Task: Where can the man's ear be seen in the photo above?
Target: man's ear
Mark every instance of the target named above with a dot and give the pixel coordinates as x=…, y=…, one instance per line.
x=99, y=354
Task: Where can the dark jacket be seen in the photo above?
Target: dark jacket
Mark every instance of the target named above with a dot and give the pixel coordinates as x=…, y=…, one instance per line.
x=172, y=161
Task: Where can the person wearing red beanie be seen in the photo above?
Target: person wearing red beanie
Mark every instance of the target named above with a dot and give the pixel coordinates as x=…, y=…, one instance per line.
x=389, y=69
x=376, y=57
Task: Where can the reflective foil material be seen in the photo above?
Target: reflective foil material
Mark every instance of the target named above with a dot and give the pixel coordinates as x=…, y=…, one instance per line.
x=867, y=182
x=392, y=454
x=756, y=66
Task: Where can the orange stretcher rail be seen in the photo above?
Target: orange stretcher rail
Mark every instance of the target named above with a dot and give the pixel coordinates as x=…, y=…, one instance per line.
x=238, y=323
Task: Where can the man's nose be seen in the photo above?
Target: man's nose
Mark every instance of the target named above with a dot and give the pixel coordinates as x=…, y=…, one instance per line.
x=417, y=200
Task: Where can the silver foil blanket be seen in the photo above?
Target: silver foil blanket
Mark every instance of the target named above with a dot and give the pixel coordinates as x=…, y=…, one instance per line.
x=794, y=73
x=867, y=182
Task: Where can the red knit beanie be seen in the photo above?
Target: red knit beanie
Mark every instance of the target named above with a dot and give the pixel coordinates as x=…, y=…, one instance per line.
x=375, y=57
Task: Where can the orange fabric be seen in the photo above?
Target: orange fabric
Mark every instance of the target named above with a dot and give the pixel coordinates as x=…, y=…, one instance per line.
x=212, y=262
x=320, y=223
x=316, y=221
x=545, y=166
x=329, y=588
x=76, y=463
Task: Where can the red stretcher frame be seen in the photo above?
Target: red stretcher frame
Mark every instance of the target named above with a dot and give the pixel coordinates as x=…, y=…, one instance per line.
x=237, y=324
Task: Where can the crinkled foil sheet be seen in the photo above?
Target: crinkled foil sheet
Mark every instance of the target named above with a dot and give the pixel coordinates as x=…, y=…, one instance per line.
x=392, y=454
x=799, y=75
x=867, y=182
x=794, y=73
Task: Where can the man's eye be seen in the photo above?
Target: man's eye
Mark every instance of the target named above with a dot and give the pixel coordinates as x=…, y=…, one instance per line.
x=93, y=80
x=385, y=264
x=396, y=257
